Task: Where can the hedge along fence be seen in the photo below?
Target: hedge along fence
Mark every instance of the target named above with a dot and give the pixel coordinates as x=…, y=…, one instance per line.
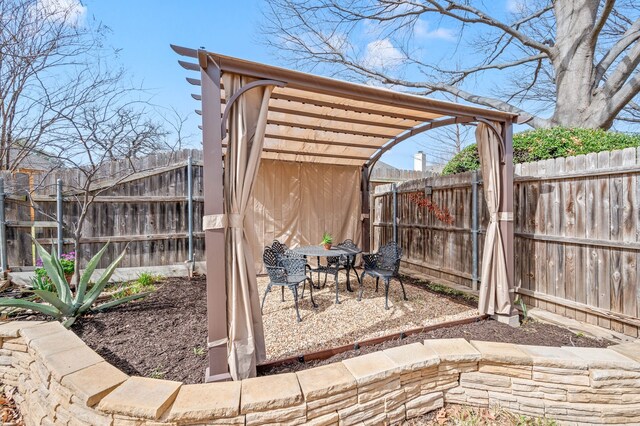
x=577, y=234
x=544, y=144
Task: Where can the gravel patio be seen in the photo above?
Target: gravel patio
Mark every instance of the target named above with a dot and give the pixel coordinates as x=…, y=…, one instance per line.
x=330, y=325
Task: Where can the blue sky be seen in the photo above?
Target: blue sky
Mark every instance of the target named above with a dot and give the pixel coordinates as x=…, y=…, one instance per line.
x=143, y=30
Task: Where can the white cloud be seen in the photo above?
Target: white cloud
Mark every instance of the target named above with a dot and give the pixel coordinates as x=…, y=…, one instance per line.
x=71, y=12
x=421, y=30
x=516, y=6
x=382, y=54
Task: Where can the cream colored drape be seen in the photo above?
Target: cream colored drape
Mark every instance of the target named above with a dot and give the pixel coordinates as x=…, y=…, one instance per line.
x=247, y=124
x=495, y=297
x=296, y=202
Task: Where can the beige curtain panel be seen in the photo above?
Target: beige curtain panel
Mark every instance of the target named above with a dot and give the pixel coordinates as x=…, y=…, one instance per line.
x=495, y=297
x=247, y=124
x=295, y=203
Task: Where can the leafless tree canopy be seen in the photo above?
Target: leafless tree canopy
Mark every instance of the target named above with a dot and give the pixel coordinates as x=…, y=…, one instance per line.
x=63, y=95
x=562, y=62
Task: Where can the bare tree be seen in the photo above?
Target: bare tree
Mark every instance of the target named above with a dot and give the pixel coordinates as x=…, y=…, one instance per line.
x=574, y=61
x=44, y=50
x=445, y=142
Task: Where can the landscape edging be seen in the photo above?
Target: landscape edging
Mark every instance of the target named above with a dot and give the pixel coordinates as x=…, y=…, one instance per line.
x=59, y=381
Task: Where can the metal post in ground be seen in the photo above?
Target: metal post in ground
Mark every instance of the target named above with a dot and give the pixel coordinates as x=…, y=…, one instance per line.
x=60, y=246
x=474, y=230
x=190, y=206
x=394, y=189
x=3, y=232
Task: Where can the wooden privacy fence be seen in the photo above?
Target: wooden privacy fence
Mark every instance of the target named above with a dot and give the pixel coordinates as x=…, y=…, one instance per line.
x=142, y=203
x=577, y=229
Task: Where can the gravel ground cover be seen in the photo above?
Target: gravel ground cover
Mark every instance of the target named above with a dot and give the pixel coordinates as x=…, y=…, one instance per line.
x=330, y=325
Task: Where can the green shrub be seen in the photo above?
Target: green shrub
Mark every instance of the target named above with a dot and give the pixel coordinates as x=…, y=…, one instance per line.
x=543, y=144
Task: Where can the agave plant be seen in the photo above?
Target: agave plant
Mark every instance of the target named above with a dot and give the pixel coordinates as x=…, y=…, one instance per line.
x=63, y=304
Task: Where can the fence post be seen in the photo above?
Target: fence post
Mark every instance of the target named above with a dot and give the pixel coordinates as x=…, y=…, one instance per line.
x=59, y=215
x=474, y=230
x=190, y=206
x=3, y=232
x=394, y=188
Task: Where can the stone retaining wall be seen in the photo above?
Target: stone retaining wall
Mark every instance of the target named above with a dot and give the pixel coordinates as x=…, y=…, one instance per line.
x=61, y=381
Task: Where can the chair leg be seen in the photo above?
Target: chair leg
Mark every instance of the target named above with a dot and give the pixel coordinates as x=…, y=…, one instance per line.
x=282, y=294
x=361, y=287
x=377, y=281
x=268, y=289
x=348, y=272
x=335, y=278
x=404, y=293
x=294, y=290
x=386, y=293
x=356, y=271
x=313, y=303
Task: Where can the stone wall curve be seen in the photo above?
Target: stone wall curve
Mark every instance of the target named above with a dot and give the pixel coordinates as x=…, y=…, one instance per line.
x=61, y=381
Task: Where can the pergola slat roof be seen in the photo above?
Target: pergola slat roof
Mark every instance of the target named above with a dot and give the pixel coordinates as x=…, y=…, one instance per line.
x=323, y=120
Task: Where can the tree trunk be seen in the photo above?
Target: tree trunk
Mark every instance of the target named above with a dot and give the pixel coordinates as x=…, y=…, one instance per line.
x=573, y=61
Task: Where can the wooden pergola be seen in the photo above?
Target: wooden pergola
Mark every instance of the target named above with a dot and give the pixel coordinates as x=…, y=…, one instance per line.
x=318, y=120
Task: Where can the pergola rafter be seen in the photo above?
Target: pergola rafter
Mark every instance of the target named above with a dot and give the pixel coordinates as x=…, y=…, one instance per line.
x=313, y=119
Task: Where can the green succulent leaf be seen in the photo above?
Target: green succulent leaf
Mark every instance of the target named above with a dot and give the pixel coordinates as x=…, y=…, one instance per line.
x=97, y=288
x=54, y=270
x=34, y=306
x=69, y=322
x=86, y=275
x=52, y=299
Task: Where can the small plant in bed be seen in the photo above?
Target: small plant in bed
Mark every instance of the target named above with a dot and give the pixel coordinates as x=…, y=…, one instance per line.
x=143, y=285
x=64, y=304
x=42, y=281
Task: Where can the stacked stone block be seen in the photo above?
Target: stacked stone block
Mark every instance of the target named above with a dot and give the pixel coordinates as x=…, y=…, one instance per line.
x=60, y=381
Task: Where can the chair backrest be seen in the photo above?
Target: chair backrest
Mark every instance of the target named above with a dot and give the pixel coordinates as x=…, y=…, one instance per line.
x=278, y=247
x=269, y=257
x=389, y=256
x=348, y=244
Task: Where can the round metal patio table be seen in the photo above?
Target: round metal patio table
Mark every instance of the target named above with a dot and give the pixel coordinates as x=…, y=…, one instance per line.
x=319, y=251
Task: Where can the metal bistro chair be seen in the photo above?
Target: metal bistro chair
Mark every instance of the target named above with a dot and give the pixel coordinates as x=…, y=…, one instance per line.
x=347, y=262
x=384, y=264
x=288, y=271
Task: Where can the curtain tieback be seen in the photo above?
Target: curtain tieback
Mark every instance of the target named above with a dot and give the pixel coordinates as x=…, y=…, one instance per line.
x=219, y=342
x=502, y=217
x=221, y=221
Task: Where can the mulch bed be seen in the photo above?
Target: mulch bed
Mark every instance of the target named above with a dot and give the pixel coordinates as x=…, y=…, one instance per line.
x=164, y=335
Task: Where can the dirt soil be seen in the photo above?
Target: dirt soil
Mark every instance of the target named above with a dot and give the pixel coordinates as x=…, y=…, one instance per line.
x=164, y=335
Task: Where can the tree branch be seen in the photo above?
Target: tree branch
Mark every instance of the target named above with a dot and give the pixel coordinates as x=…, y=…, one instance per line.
x=623, y=71
x=630, y=36
x=483, y=18
x=630, y=89
x=604, y=16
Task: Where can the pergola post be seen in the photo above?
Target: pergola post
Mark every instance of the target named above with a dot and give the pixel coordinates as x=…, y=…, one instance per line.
x=217, y=336
x=366, y=209
x=506, y=206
